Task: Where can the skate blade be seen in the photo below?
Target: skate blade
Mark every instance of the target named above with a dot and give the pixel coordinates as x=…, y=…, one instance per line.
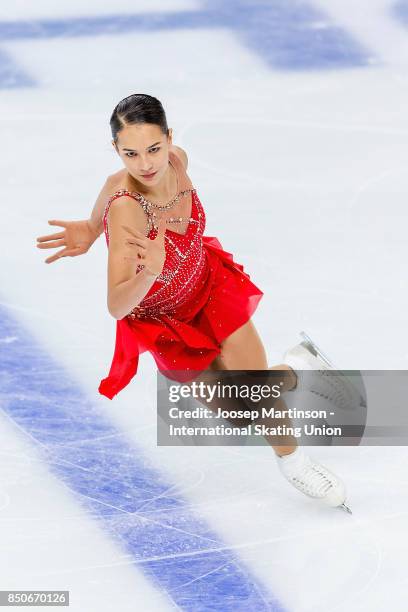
x=346, y=508
x=315, y=349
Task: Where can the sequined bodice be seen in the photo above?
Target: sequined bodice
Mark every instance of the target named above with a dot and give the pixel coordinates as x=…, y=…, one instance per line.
x=184, y=266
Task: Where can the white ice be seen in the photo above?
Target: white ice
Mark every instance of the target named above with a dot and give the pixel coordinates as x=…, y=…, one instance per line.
x=303, y=177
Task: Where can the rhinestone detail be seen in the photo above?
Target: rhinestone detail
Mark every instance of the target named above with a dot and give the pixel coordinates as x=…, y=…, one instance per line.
x=185, y=265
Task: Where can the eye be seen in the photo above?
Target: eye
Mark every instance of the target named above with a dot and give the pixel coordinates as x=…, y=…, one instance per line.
x=133, y=154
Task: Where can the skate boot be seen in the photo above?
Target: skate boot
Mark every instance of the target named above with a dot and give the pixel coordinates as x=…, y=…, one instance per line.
x=313, y=479
x=321, y=378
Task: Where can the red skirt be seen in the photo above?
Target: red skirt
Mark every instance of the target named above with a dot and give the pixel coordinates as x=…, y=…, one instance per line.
x=185, y=344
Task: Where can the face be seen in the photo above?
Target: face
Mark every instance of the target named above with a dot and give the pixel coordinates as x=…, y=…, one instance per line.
x=144, y=149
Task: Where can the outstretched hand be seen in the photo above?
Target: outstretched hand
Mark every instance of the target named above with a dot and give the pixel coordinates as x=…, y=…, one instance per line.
x=76, y=238
x=149, y=253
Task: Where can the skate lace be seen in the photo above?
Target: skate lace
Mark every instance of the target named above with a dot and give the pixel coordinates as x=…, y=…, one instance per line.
x=313, y=480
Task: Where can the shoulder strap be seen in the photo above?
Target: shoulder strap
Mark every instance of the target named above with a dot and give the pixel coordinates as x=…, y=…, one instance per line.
x=120, y=193
x=183, y=178
x=134, y=196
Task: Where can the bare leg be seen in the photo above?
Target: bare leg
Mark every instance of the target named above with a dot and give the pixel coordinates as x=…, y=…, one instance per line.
x=243, y=350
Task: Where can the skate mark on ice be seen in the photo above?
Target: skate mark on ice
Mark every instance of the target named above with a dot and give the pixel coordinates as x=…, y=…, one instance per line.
x=113, y=481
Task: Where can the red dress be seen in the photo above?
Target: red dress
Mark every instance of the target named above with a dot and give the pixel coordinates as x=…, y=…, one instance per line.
x=198, y=300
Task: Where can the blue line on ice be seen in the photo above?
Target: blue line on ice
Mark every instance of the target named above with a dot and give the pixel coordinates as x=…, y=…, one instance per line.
x=400, y=11
x=132, y=501
x=286, y=34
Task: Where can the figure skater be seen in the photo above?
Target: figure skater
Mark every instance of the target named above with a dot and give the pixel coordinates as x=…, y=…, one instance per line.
x=187, y=301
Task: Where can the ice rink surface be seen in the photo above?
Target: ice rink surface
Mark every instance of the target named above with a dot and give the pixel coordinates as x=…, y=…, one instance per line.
x=293, y=115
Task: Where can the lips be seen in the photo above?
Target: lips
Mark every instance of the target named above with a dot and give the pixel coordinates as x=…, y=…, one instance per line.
x=149, y=175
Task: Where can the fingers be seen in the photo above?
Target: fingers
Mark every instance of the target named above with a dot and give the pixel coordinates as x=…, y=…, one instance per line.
x=141, y=242
x=51, y=259
x=134, y=232
x=138, y=257
x=63, y=253
x=54, y=236
x=50, y=237
x=55, y=222
x=51, y=245
x=129, y=258
x=55, y=257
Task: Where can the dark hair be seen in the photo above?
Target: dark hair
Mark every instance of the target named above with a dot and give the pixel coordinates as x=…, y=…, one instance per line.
x=138, y=108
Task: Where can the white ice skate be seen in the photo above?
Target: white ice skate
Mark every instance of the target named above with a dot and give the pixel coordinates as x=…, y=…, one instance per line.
x=313, y=479
x=321, y=377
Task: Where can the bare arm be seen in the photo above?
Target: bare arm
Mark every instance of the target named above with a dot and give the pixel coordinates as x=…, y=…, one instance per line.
x=123, y=297
x=110, y=186
x=78, y=236
x=126, y=289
